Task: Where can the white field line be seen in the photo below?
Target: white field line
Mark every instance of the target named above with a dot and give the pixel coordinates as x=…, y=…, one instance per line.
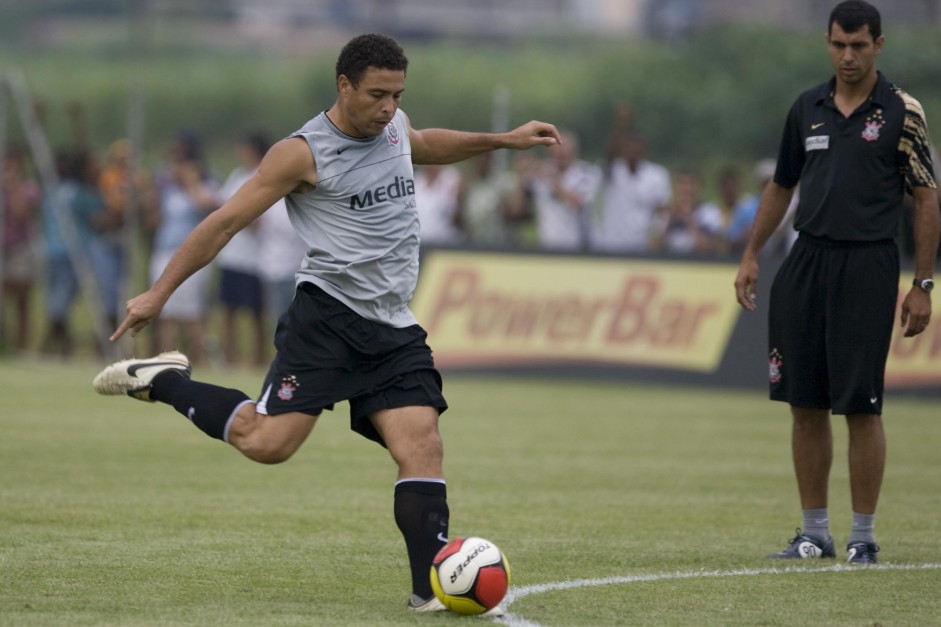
x=517, y=593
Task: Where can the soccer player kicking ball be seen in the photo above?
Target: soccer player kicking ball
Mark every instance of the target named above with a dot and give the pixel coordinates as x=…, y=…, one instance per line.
x=347, y=179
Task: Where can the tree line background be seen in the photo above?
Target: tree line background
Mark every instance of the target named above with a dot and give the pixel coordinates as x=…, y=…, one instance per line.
x=720, y=96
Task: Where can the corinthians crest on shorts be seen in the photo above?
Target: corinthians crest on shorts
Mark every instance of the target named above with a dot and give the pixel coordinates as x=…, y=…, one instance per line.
x=774, y=366
x=288, y=385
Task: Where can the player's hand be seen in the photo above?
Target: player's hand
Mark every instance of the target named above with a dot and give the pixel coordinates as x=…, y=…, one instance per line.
x=916, y=311
x=533, y=134
x=746, y=283
x=140, y=311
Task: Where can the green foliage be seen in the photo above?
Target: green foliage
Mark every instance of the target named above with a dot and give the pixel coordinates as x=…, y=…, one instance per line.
x=117, y=512
x=721, y=96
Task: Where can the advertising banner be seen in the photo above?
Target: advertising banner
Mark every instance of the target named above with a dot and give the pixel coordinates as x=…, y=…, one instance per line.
x=914, y=362
x=647, y=319
x=502, y=309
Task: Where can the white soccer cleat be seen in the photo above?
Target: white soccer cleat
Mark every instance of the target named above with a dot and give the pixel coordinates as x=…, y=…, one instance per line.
x=135, y=376
x=494, y=612
x=417, y=604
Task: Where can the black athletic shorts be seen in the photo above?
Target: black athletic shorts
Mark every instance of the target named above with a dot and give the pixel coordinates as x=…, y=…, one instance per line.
x=328, y=353
x=830, y=321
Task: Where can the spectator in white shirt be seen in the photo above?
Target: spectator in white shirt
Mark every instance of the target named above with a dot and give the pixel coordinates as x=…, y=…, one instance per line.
x=437, y=196
x=633, y=192
x=562, y=190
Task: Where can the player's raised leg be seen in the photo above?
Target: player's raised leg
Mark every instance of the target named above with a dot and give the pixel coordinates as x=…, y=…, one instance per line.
x=221, y=413
x=269, y=439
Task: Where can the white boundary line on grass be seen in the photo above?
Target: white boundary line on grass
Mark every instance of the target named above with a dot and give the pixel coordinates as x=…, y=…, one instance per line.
x=515, y=594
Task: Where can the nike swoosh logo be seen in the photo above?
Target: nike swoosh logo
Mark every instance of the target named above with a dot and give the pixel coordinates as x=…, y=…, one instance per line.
x=340, y=150
x=132, y=370
x=820, y=521
x=850, y=555
x=814, y=127
x=442, y=538
x=191, y=413
x=874, y=399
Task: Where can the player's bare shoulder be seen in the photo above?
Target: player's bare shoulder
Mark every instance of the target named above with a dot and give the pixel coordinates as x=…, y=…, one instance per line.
x=290, y=164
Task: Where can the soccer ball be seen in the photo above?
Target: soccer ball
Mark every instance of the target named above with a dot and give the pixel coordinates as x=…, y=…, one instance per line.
x=470, y=575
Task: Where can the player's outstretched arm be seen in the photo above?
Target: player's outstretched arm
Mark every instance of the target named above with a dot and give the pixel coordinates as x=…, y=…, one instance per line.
x=442, y=146
x=289, y=165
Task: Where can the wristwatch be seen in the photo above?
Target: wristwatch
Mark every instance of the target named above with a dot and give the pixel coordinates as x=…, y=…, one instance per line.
x=925, y=284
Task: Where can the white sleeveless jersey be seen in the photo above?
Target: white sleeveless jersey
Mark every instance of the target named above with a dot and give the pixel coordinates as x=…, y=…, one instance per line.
x=360, y=223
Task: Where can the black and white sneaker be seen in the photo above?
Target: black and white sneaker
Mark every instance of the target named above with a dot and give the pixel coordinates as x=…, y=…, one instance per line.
x=802, y=546
x=134, y=377
x=862, y=553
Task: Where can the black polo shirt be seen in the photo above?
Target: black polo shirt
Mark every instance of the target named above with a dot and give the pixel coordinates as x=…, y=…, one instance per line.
x=853, y=172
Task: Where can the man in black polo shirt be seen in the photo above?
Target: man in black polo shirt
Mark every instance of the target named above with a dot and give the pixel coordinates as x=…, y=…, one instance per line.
x=855, y=144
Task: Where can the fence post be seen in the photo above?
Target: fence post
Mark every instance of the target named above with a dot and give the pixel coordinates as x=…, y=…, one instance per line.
x=42, y=155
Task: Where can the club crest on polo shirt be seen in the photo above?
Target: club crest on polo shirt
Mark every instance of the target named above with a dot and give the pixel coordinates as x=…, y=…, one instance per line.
x=774, y=366
x=873, y=124
x=288, y=385
x=392, y=134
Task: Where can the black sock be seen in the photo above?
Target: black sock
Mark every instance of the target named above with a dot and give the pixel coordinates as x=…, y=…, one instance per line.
x=421, y=512
x=208, y=406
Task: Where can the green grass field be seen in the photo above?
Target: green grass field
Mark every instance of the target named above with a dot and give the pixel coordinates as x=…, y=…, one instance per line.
x=115, y=512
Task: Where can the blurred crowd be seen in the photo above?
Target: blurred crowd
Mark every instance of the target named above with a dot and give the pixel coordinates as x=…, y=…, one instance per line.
x=622, y=204
x=82, y=232
x=106, y=210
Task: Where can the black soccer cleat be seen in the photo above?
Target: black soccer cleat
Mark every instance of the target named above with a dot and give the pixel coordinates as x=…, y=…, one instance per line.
x=861, y=553
x=803, y=546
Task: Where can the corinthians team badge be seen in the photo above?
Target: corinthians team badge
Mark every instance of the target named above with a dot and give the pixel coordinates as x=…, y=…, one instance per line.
x=392, y=133
x=289, y=385
x=873, y=124
x=774, y=366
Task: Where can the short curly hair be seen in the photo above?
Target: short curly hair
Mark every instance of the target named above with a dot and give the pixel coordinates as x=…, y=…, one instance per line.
x=366, y=51
x=852, y=15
